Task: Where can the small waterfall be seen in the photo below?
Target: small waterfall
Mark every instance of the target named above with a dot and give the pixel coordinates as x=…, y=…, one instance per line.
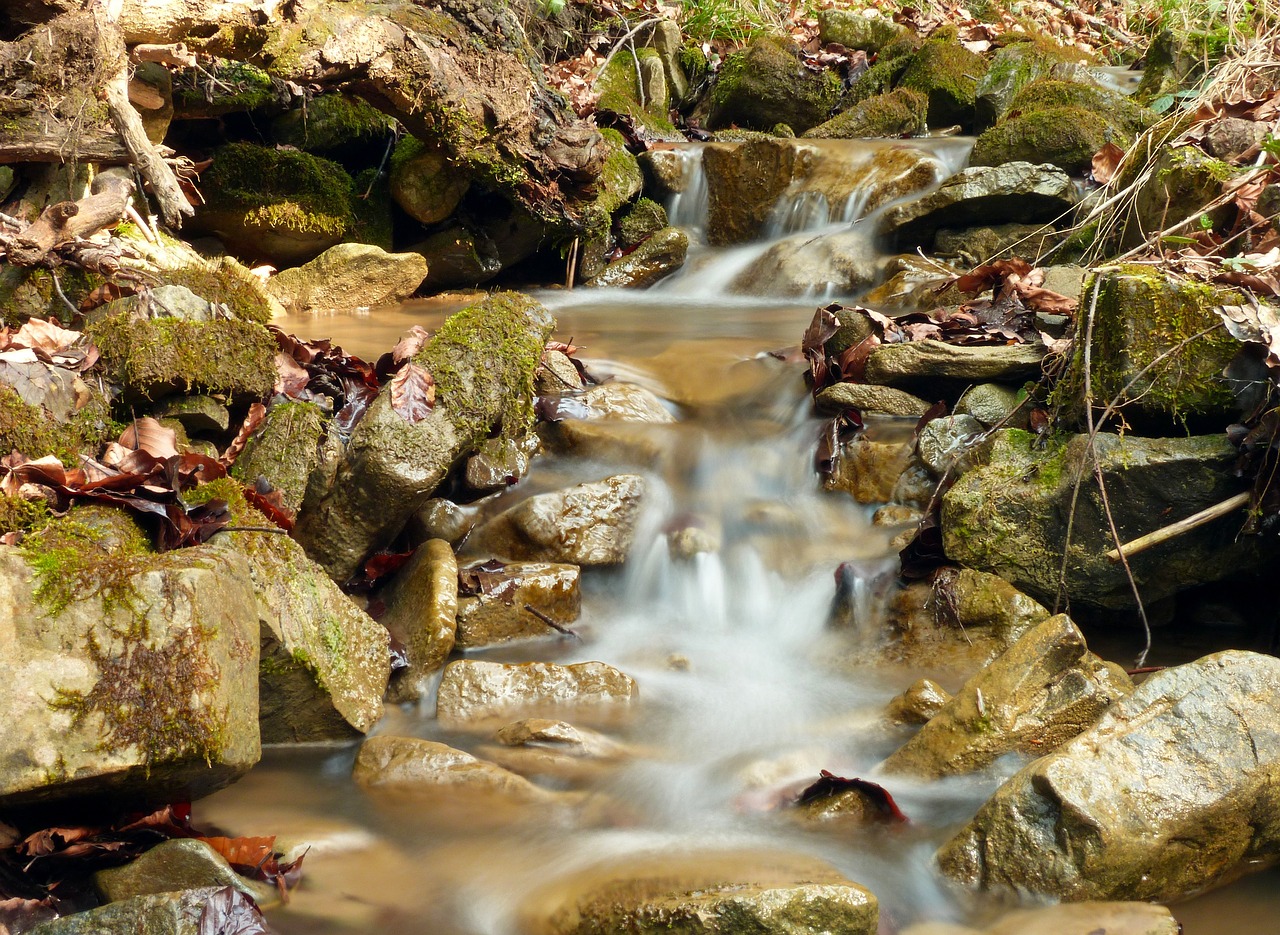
x=687, y=208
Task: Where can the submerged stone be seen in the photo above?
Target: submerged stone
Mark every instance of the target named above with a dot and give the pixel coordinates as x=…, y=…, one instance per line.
x=409, y=764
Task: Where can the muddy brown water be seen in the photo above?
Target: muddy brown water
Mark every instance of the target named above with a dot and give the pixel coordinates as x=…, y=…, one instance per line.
x=761, y=696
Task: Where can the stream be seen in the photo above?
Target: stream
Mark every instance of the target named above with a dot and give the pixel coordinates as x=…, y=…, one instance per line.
x=743, y=689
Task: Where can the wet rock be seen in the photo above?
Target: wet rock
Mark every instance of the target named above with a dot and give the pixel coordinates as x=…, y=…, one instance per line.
x=947, y=74
x=896, y=114
x=498, y=463
x=853, y=30
x=500, y=612
x=1182, y=181
x=896, y=514
x=765, y=84
x=704, y=894
x=807, y=264
x=1013, y=68
x=869, y=470
x=424, y=182
x=196, y=413
x=655, y=259
x=287, y=450
x=668, y=42
x=555, y=749
x=323, y=663
x=422, y=607
x=410, y=764
x=921, y=701
x=636, y=84
x=633, y=444
x=473, y=691
x=620, y=402
x=993, y=404
x=945, y=445
x=560, y=734
x=663, y=172
x=282, y=206
x=349, y=276
x=1009, y=514
x=93, y=626
x=936, y=364
x=557, y=375
x=173, y=866
x=590, y=524
x=867, y=397
x=915, y=285
x=457, y=257
x=483, y=360
x=688, y=542
x=1044, y=690
x=975, y=245
x=1088, y=918
x=442, y=519
x=641, y=221
x=175, y=913
x=1169, y=794
x=1015, y=192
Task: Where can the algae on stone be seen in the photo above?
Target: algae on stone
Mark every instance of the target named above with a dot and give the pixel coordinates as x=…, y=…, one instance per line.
x=947, y=74
x=893, y=114
x=765, y=84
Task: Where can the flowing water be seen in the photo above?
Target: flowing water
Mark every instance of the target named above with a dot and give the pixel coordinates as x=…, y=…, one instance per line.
x=744, y=691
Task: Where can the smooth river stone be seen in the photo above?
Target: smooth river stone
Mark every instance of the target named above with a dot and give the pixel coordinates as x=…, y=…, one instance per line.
x=920, y=363
x=410, y=764
x=472, y=692
x=514, y=601
x=881, y=400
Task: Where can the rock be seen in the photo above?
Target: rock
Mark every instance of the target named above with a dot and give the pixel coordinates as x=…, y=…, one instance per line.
x=957, y=624
x=590, y=524
x=422, y=607
x=457, y=257
x=324, y=663
x=331, y=120
x=620, y=402
x=655, y=259
x=559, y=734
x=557, y=375
x=743, y=184
x=560, y=751
x=196, y=413
x=867, y=397
x=869, y=470
x=288, y=449
x=483, y=360
x=472, y=692
x=896, y=514
x=1066, y=137
x=1016, y=191
x=895, y=114
x=993, y=404
x=1013, y=68
x=281, y=206
x=1182, y=181
x=500, y=611
x=947, y=74
x=806, y=264
x=8, y=179
x=1009, y=514
x=915, y=285
x=765, y=84
x=975, y=245
x=1169, y=794
x=937, y=364
x=1065, y=280
x=635, y=84
x=1229, y=137
x=409, y=764
x=424, y=181
x=176, y=913
x=95, y=627
x=498, y=463
x=1141, y=315
x=612, y=442
x=688, y=542
x=173, y=866
x=236, y=87
x=155, y=357
x=945, y=444
x=349, y=276
x=668, y=43
x=1088, y=918
x=641, y=221
x=442, y=519
x=921, y=701
x=854, y=30
x=704, y=894
x=1044, y=690
x=664, y=171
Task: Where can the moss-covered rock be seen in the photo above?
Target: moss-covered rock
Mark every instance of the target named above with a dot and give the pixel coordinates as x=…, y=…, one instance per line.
x=224, y=87
x=285, y=450
x=372, y=206
x=1120, y=111
x=329, y=121
x=152, y=358
x=424, y=182
x=643, y=219
x=1175, y=60
x=947, y=74
x=1017, y=65
x=628, y=86
x=765, y=84
x=275, y=204
x=853, y=30
x=28, y=292
x=1182, y=182
x=894, y=114
x=658, y=257
x=483, y=360
x=880, y=78
x=66, y=430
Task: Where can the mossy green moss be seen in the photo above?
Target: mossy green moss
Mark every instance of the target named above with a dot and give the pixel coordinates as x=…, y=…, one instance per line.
x=947, y=74
x=225, y=87
x=331, y=120
x=501, y=324
x=880, y=78
x=28, y=292
x=284, y=450
x=895, y=114
x=20, y=515
x=280, y=189
x=619, y=86
x=371, y=203
x=854, y=31
x=224, y=281
x=154, y=357
x=645, y=218
x=621, y=178
x=1119, y=110
x=34, y=432
x=92, y=552
x=765, y=84
x=1064, y=136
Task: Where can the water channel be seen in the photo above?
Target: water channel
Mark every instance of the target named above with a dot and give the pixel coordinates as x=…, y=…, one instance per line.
x=744, y=690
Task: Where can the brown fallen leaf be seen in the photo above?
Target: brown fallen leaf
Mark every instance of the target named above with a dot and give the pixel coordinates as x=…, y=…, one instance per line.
x=413, y=392
x=1105, y=162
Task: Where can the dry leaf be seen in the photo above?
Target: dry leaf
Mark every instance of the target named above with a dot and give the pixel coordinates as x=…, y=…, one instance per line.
x=413, y=392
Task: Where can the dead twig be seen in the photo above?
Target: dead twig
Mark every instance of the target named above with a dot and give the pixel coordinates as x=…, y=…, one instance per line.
x=558, y=627
x=1182, y=526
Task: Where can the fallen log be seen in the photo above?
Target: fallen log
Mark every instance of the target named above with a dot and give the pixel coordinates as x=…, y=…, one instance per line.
x=67, y=221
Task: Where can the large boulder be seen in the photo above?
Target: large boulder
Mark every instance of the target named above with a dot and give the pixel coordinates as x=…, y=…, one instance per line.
x=704, y=894
x=590, y=524
x=1016, y=191
x=349, y=276
x=133, y=676
x=472, y=694
x=1012, y=68
x=832, y=264
x=1044, y=690
x=483, y=360
x=1172, y=792
x=947, y=74
x=897, y=113
x=766, y=84
x=1009, y=515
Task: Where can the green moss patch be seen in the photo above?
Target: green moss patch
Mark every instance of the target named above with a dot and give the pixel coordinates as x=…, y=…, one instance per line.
x=896, y=114
x=280, y=189
x=619, y=88
x=1119, y=110
x=1064, y=136
x=947, y=74
x=34, y=432
x=765, y=84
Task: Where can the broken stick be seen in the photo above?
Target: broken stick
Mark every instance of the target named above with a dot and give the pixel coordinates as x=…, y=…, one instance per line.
x=1173, y=530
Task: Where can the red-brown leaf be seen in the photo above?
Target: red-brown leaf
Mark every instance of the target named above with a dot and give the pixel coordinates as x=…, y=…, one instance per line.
x=410, y=343
x=1105, y=161
x=413, y=393
x=253, y=418
x=146, y=434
